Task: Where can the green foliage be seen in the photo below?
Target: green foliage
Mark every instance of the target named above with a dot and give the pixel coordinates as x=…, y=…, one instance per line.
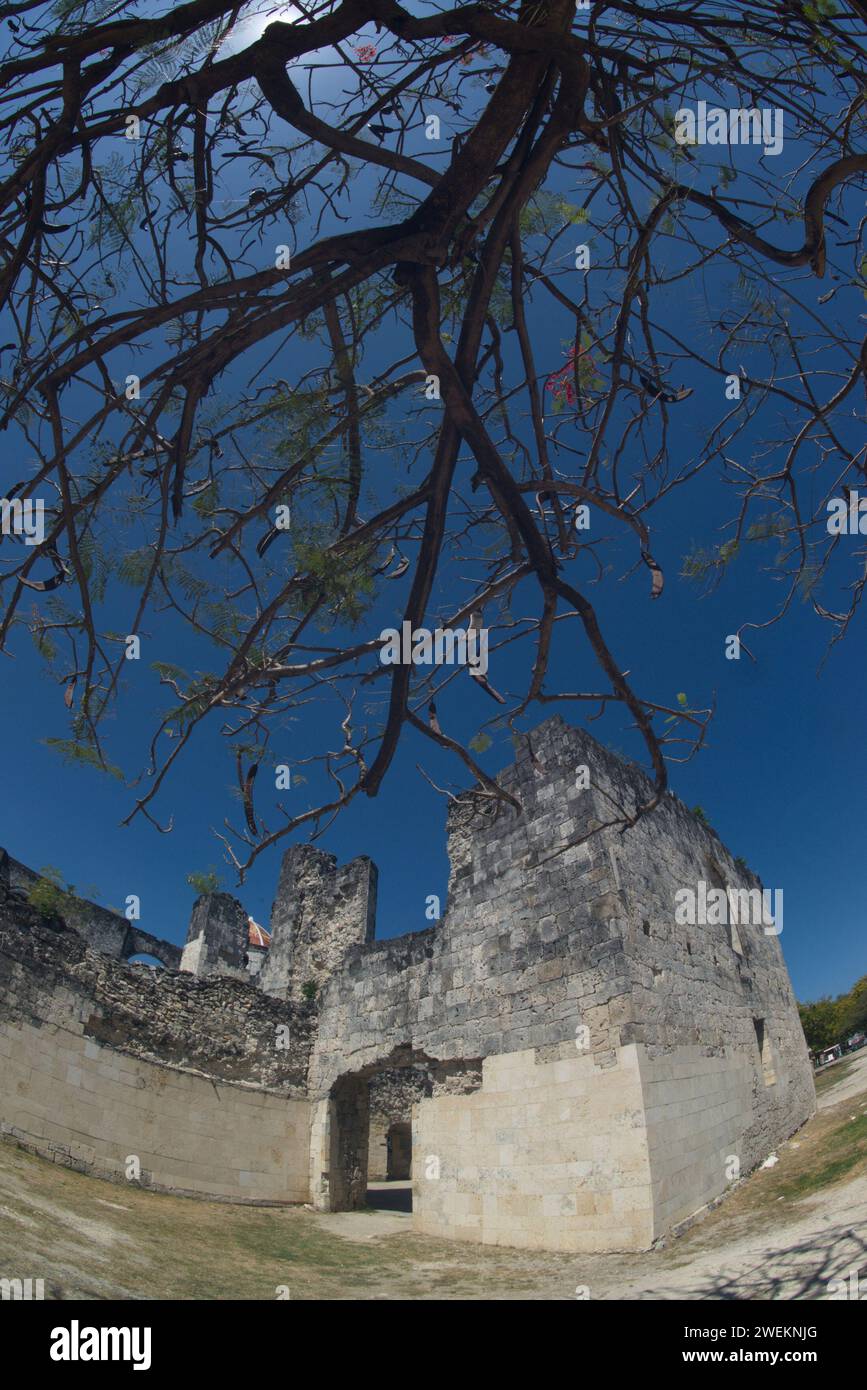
x=51, y=898
x=548, y=212
x=808, y=578
x=852, y=1009
x=768, y=528
x=204, y=883
x=117, y=211
x=752, y=295
x=480, y=743
x=207, y=502
x=197, y=700
x=701, y=563
x=308, y=989
x=167, y=671
x=135, y=566
x=827, y=1021
x=344, y=584
x=700, y=814
x=43, y=643
x=684, y=705
x=820, y=1023
x=96, y=565
x=83, y=754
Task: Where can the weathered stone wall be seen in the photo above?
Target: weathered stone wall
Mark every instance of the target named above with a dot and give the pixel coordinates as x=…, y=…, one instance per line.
x=220, y=1026
x=103, y=1060
x=528, y=948
x=696, y=995
x=216, y=937
x=106, y=931
x=319, y=912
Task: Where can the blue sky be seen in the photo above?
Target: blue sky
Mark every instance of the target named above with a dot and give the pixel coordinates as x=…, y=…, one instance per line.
x=781, y=779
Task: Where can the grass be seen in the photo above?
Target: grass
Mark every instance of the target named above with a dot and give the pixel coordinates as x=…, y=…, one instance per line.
x=849, y=1149
x=94, y=1240
x=830, y=1148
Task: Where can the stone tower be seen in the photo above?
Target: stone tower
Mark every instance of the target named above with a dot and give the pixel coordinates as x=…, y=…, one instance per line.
x=216, y=937
x=319, y=912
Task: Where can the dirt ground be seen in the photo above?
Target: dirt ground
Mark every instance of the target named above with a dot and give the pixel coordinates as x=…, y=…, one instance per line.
x=793, y=1230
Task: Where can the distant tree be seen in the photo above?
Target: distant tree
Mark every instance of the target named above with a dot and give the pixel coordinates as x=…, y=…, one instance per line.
x=821, y=1023
x=853, y=1009
x=484, y=245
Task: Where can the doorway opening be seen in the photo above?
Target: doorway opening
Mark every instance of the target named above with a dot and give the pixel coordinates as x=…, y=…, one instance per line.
x=399, y=1152
x=370, y=1161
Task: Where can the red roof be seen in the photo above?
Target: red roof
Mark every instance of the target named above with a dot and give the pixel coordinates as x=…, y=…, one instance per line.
x=256, y=935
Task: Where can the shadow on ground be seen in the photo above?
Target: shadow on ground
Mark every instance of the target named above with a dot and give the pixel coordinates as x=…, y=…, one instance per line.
x=390, y=1196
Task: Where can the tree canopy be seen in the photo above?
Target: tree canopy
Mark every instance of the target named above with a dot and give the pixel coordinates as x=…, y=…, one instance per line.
x=326, y=313
x=828, y=1021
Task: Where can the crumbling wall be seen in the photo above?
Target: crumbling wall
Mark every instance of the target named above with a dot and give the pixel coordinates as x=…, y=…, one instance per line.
x=106, y=931
x=319, y=912
x=216, y=937
x=594, y=1066
x=202, y=1081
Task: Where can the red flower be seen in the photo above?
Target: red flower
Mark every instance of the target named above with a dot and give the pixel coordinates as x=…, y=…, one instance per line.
x=366, y=52
x=561, y=383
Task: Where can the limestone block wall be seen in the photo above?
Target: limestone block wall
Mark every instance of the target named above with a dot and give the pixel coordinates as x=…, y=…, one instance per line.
x=101, y=1060
x=699, y=1114
x=545, y=1155
x=90, y=1107
x=725, y=1066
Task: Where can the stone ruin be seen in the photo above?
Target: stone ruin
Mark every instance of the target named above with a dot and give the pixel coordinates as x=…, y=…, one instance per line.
x=557, y=1062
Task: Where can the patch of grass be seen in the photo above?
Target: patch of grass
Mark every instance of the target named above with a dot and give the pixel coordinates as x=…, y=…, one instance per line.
x=847, y=1149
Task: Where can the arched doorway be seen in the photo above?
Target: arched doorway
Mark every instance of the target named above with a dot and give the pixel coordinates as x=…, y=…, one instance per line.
x=361, y=1138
